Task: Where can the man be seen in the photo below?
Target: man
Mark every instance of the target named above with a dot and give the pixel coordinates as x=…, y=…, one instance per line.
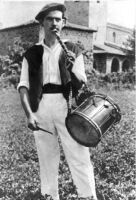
x=44, y=89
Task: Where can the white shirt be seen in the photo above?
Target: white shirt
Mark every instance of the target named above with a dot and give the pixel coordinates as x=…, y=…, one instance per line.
x=51, y=72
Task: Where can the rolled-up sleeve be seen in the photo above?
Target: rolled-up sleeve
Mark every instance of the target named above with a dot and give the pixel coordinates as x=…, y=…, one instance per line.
x=79, y=68
x=24, y=77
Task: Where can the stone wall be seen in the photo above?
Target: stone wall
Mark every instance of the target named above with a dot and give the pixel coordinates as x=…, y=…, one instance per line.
x=84, y=37
x=8, y=36
x=78, y=12
x=30, y=33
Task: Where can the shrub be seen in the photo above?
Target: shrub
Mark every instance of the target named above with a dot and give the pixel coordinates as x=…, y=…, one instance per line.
x=10, y=68
x=114, y=80
x=10, y=65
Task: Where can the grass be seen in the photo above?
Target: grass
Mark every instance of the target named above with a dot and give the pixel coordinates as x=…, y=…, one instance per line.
x=113, y=158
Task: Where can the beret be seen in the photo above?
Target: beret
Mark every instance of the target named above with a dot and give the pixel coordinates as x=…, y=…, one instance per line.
x=50, y=7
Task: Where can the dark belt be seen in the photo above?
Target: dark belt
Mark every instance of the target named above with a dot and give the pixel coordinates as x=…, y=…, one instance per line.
x=52, y=88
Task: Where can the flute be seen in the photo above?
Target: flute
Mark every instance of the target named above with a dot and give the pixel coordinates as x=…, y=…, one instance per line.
x=70, y=58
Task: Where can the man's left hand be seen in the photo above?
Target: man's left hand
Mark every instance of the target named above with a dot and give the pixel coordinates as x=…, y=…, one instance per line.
x=70, y=60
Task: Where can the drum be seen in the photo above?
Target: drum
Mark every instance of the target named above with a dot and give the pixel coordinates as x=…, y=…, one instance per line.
x=92, y=119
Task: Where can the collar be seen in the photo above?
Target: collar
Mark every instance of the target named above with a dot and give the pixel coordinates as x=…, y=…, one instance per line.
x=44, y=45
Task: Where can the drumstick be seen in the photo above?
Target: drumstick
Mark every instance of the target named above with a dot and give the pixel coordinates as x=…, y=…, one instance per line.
x=44, y=130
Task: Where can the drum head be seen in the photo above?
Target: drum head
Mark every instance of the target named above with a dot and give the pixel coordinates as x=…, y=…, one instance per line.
x=82, y=130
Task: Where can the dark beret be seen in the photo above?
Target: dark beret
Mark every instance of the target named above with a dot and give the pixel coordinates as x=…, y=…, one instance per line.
x=50, y=7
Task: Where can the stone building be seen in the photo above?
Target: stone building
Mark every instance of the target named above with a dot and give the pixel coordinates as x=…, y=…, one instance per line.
x=87, y=24
x=109, y=51
x=110, y=56
x=30, y=32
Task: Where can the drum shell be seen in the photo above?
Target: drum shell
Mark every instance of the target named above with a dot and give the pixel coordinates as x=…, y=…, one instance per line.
x=90, y=121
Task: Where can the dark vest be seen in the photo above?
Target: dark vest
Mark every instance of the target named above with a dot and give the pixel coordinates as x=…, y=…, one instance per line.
x=34, y=59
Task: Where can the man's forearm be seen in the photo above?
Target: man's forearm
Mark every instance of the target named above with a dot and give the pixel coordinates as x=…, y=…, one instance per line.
x=24, y=96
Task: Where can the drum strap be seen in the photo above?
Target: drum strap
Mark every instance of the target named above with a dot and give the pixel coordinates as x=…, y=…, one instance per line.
x=69, y=101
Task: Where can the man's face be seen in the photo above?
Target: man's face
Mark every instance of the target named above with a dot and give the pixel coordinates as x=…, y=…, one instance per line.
x=53, y=20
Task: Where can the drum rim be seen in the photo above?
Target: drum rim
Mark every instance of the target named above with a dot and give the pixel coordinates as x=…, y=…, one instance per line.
x=79, y=141
x=89, y=120
x=115, y=106
x=117, y=119
x=110, y=100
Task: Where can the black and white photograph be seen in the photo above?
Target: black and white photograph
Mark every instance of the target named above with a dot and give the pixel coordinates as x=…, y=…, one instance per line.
x=67, y=99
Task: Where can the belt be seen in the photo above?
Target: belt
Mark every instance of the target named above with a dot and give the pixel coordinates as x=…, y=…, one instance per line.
x=51, y=88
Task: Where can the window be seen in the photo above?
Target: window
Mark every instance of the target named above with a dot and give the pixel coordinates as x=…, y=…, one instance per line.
x=114, y=37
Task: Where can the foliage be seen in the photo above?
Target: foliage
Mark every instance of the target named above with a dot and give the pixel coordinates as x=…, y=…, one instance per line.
x=10, y=65
x=10, y=68
x=113, y=158
x=130, y=44
x=114, y=80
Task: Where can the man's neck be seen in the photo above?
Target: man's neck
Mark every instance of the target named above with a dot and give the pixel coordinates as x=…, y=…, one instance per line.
x=50, y=42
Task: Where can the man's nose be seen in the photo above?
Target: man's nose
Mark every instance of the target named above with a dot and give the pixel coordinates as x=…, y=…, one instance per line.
x=54, y=22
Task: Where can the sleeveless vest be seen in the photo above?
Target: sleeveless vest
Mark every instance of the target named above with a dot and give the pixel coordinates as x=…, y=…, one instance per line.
x=34, y=58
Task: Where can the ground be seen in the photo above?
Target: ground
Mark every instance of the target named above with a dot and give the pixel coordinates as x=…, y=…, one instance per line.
x=113, y=158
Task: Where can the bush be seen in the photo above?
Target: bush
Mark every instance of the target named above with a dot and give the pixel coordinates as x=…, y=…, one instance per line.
x=10, y=64
x=10, y=68
x=115, y=80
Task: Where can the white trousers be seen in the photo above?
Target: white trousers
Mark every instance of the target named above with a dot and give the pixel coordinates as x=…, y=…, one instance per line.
x=51, y=116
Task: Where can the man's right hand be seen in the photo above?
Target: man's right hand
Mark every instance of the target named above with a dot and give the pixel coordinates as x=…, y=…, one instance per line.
x=33, y=122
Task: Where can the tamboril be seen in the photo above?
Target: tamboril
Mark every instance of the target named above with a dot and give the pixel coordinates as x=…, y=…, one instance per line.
x=88, y=122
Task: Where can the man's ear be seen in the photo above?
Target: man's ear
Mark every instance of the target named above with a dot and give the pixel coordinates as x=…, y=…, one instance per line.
x=64, y=22
x=41, y=22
